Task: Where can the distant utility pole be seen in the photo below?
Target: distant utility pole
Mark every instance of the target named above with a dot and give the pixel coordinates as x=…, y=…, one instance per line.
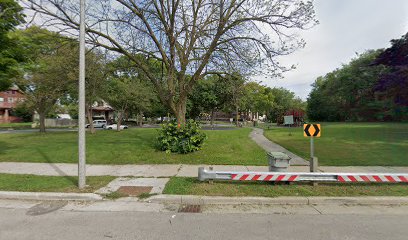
x=81, y=114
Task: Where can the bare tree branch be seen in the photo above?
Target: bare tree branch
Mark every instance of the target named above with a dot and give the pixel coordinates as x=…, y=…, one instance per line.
x=190, y=38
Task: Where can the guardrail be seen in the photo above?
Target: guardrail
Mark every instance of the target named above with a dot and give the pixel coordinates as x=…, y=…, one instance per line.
x=208, y=175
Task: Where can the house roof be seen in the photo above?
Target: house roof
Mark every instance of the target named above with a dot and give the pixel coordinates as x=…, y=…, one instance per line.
x=102, y=108
x=15, y=88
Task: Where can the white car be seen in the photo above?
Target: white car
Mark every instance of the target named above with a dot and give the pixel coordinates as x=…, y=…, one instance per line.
x=97, y=124
x=115, y=126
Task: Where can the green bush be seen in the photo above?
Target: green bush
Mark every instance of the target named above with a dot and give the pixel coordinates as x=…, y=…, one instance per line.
x=184, y=139
x=23, y=112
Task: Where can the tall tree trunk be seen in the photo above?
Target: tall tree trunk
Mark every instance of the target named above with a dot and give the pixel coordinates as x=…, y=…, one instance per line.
x=212, y=117
x=120, y=116
x=140, y=119
x=90, y=120
x=237, y=114
x=180, y=111
x=42, y=121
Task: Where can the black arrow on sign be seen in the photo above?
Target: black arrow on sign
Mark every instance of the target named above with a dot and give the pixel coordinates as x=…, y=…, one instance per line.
x=317, y=130
x=307, y=130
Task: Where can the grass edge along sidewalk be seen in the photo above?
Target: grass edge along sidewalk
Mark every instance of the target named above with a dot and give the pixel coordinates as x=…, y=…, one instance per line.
x=35, y=183
x=191, y=186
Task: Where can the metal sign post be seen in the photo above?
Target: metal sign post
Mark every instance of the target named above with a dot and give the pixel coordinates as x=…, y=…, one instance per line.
x=311, y=148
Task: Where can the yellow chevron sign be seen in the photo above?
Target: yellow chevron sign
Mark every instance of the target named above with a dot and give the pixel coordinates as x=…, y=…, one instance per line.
x=311, y=130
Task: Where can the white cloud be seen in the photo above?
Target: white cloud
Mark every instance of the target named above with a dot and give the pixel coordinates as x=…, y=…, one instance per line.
x=346, y=27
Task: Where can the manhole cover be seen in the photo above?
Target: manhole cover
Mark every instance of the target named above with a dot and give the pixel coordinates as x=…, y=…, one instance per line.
x=133, y=190
x=46, y=207
x=190, y=209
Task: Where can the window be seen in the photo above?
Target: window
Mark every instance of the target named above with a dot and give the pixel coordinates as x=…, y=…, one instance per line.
x=1, y=99
x=10, y=99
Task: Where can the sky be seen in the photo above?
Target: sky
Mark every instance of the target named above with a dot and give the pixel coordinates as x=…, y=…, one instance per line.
x=346, y=27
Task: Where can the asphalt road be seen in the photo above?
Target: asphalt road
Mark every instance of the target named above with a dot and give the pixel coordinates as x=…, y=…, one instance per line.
x=20, y=223
x=36, y=130
x=4, y=131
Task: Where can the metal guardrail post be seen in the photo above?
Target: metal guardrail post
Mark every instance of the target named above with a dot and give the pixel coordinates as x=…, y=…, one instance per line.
x=204, y=175
x=314, y=163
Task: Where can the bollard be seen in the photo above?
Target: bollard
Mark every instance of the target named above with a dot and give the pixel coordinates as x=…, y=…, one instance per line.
x=211, y=181
x=314, y=164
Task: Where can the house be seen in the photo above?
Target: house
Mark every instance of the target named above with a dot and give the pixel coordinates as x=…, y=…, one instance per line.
x=101, y=110
x=298, y=116
x=9, y=100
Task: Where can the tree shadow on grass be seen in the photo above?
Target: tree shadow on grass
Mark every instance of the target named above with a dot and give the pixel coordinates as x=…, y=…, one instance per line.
x=56, y=168
x=4, y=146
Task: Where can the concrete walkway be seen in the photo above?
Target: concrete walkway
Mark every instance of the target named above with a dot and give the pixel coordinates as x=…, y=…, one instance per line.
x=163, y=170
x=269, y=146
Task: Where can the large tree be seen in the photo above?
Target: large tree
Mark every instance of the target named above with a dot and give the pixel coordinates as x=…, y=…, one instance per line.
x=348, y=93
x=237, y=86
x=393, y=85
x=138, y=94
x=126, y=94
x=46, y=71
x=95, y=79
x=191, y=39
x=10, y=55
x=258, y=98
x=210, y=95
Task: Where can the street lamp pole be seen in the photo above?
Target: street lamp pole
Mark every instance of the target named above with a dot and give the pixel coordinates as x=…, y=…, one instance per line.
x=81, y=108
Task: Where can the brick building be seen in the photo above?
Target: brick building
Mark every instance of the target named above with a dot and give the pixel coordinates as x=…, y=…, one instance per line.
x=8, y=102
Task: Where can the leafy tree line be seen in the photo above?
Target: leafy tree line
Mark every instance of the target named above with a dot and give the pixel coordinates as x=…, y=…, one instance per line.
x=190, y=39
x=170, y=48
x=234, y=93
x=372, y=87
x=48, y=77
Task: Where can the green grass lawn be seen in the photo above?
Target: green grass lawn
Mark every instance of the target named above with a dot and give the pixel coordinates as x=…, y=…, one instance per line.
x=133, y=146
x=191, y=186
x=349, y=144
x=33, y=183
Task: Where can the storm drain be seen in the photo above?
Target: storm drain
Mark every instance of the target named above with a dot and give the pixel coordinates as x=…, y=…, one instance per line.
x=190, y=209
x=133, y=191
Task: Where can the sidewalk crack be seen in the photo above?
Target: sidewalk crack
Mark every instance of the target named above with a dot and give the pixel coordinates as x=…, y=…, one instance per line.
x=178, y=170
x=317, y=210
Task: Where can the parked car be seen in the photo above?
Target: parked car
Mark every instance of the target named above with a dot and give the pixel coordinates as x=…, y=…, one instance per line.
x=115, y=126
x=97, y=124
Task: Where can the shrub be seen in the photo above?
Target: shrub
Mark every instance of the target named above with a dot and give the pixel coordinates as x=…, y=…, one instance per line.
x=180, y=139
x=23, y=112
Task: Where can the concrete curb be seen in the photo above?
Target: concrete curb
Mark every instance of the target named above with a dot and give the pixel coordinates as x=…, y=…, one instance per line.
x=50, y=196
x=218, y=200
x=215, y=200
x=369, y=200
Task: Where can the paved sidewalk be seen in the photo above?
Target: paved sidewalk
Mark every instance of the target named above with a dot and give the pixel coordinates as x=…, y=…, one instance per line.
x=269, y=146
x=164, y=170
